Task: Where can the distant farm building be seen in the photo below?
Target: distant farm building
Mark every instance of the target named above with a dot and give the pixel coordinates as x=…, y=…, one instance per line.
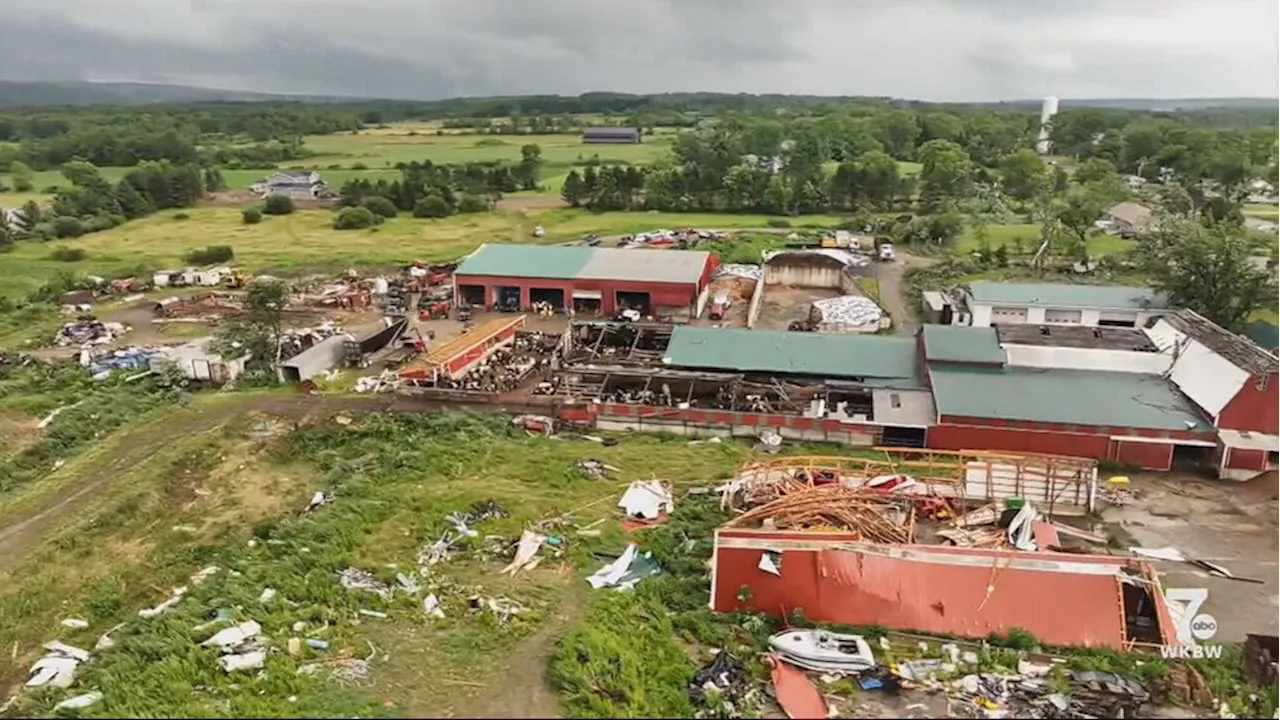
x=295, y=184
x=585, y=280
x=611, y=136
x=1128, y=218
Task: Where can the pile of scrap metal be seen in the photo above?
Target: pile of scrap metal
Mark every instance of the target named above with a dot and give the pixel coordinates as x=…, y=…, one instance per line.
x=530, y=354
x=353, y=295
x=608, y=343
x=1027, y=693
x=795, y=505
x=89, y=332
x=208, y=307
x=1012, y=526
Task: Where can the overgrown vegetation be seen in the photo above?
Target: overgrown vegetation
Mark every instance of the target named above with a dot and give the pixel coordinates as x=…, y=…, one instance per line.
x=210, y=254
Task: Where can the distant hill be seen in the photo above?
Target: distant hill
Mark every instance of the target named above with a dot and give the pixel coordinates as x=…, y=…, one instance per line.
x=15, y=94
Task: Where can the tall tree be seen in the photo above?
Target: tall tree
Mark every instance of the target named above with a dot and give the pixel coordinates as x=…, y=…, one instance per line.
x=1023, y=174
x=946, y=172
x=573, y=191
x=23, y=176
x=1211, y=271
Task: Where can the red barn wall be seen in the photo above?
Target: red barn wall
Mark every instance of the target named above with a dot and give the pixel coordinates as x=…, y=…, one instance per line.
x=1146, y=455
x=1253, y=409
x=965, y=437
x=1246, y=459
x=660, y=294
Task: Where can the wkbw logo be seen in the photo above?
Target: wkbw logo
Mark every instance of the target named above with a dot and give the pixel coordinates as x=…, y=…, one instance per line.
x=1193, y=626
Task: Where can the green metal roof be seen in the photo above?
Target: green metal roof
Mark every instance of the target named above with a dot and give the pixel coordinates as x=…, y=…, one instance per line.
x=526, y=261
x=953, y=343
x=1106, y=297
x=796, y=353
x=1265, y=335
x=1069, y=397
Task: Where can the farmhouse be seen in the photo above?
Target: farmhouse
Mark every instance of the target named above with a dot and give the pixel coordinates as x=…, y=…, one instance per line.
x=611, y=135
x=1128, y=218
x=295, y=184
x=983, y=304
x=586, y=280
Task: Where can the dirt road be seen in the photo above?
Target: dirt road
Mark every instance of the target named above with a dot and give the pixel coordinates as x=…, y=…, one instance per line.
x=900, y=309
x=133, y=447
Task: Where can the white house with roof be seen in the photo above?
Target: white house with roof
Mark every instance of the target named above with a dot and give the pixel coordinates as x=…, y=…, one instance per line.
x=296, y=184
x=984, y=304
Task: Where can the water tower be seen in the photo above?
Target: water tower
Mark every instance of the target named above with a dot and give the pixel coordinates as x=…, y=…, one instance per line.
x=1047, y=111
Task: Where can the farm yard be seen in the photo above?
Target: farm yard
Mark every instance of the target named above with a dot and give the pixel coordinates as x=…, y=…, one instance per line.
x=310, y=498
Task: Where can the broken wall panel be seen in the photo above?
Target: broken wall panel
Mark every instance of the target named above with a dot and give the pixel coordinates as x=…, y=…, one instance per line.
x=1072, y=601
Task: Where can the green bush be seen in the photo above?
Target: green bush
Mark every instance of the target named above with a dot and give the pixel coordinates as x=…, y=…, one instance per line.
x=470, y=203
x=431, y=206
x=277, y=205
x=210, y=254
x=67, y=227
x=251, y=216
x=98, y=223
x=182, y=216
x=62, y=253
x=356, y=218
x=778, y=223
x=380, y=206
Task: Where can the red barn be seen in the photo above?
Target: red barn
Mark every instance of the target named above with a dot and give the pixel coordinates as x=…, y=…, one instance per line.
x=585, y=280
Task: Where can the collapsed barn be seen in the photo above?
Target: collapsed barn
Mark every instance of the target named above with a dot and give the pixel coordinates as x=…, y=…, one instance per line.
x=736, y=382
x=860, y=541
x=496, y=357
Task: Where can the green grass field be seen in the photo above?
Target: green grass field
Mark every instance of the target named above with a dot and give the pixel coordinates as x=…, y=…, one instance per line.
x=1029, y=235
x=1269, y=213
x=305, y=241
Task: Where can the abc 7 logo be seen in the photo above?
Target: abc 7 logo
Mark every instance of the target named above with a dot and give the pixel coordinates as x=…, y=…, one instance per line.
x=1204, y=626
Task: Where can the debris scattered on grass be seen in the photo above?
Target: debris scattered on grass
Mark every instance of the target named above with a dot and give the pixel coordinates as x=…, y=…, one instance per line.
x=408, y=584
x=317, y=644
x=204, y=574
x=796, y=694
x=372, y=614
x=105, y=641
x=252, y=660
x=770, y=442
x=233, y=637
x=79, y=702
x=526, y=552
x=595, y=469
x=353, y=579
x=189, y=529
x=165, y=606
x=623, y=574
x=268, y=594
x=75, y=623
x=317, y=500
x=723, y=689
x=45, y=422
x=647, y=500
x=431, y=606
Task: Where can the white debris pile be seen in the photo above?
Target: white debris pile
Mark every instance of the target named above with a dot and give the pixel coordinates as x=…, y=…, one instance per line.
x=174, y=598
x=647, y=500
x=388, y=381
x=353, y=579
x=58, y=667
x=750, y=272
x=79, y=702
x=89, y=332
x=849, y=310
x=240, y=645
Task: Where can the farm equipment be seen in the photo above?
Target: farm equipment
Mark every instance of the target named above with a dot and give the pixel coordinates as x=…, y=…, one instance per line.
x=435, y=311
x=237, y=280
x=464, y=313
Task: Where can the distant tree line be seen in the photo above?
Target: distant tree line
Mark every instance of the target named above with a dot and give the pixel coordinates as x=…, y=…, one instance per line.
x=428, y=190
x=92, y=203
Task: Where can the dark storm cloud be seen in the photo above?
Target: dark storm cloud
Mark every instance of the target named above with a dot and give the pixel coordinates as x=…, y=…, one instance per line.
x=931, y=49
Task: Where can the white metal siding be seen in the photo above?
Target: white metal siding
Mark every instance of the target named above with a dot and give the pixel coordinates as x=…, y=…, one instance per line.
x=1210, y=380
x=1062, y=317
x=803, y=275
x=1008, y=315
x=1064, y=358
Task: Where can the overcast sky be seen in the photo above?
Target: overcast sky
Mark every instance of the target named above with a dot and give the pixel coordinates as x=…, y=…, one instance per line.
x=945, y=50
